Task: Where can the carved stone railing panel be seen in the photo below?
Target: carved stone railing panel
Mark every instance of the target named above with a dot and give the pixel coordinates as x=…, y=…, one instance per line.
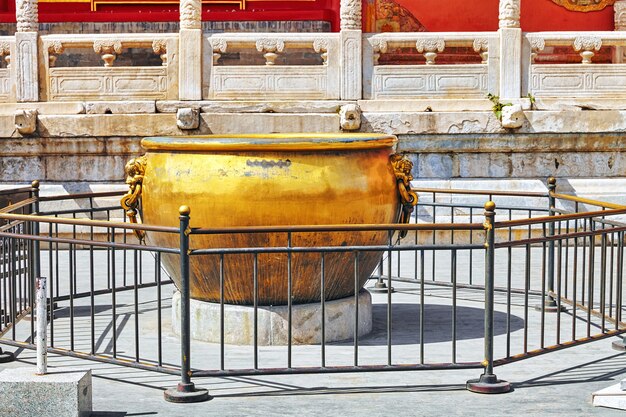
x=109, y=82
x=271, y=81
x=97, y=83
x=449, y=81
x=583, y=80
x=579, y=81
x=423, y=81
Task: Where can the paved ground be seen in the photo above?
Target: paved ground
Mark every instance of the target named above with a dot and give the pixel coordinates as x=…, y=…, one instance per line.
x=558, y=383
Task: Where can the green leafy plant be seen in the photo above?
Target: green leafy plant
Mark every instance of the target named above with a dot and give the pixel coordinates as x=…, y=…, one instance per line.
x=532, y=101
x=497, y=105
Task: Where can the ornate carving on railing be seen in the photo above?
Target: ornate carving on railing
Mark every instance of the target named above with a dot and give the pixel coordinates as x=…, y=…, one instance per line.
x=320, y=46
x=219, y=46
x=428, y=48
x=350, y=14
x=191, y=14
x=55, y=48
x=270, y=47
x=620, y=15
x=587, y=44
x=379, y=46
x=536, y=45
x=5, y=51
x=159, y=46
x=108, y=49
x=481, y=46
x=27, y=15
x=509, y=13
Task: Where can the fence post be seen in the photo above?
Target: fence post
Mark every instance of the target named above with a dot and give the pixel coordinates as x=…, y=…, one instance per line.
x=42, y=327
x=549, y=304
x=185, y=391
x=488, y=383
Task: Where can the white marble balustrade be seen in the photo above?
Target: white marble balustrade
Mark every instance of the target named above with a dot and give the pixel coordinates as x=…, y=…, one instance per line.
x=575, y=80
x=431, y=80
x=272, y=80
x=109, y=82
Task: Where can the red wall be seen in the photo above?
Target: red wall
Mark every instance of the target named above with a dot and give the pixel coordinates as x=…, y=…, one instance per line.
x=482, y=15
x=326, y=10
x=435, y=15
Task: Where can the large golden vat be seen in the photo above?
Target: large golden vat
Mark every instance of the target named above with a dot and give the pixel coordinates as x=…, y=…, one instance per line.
x=272, y=180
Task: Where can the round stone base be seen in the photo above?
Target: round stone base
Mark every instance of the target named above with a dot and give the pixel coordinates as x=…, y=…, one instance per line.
x=273, y=321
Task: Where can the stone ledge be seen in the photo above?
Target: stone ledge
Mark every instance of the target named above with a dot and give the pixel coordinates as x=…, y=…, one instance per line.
x=252, y=106
x=60, y=393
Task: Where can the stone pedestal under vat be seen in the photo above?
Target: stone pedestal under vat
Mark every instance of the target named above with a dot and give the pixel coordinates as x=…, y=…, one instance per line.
x=272, y=321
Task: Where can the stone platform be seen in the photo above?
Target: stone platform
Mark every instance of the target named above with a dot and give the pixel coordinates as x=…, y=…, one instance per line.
x=273, y=321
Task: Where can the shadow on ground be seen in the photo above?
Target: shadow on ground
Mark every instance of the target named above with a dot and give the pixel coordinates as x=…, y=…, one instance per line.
x=438, y=324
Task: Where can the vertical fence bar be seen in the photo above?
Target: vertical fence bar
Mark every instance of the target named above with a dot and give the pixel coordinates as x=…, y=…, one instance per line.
x=35, y=256
x=488, y=383
x=621, y=343
x=550, y=304
x=185, y=391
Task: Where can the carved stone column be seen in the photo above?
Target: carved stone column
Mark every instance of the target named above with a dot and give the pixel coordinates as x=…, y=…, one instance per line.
x=190, y=50
x=619, y=10
x=351, y=50
x=510, y=49
x=25, y=60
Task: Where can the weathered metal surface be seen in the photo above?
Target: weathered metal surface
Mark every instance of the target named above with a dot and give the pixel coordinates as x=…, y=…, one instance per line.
x=280, y=180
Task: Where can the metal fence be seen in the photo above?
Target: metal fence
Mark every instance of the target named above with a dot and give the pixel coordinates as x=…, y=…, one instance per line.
x=541, y=271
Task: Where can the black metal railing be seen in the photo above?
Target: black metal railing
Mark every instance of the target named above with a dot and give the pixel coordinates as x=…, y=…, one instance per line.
x=535, y=276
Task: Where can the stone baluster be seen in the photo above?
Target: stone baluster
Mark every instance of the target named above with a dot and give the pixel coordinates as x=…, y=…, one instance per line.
x=536, y=45
x=26, y=44
x=159, y=46
x=482, y=47
x=379, y=46
x=270, y=47
x=5, y=51
x=108, y=50
x=219, y=47
x=510, y=49
x=55, y=48
x=351, y=50
x=586, y=45
x=429, y=48
x=320, y=46
x=190, y=50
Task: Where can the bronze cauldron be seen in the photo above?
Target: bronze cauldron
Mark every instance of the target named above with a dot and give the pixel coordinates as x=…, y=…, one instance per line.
x=272, y=180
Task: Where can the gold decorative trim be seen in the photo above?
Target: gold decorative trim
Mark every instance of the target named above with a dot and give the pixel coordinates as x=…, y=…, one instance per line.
x=584, y=5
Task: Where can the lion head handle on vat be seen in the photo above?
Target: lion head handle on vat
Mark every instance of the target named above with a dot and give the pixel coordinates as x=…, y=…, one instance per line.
x=135, y=170
x=402, y=168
